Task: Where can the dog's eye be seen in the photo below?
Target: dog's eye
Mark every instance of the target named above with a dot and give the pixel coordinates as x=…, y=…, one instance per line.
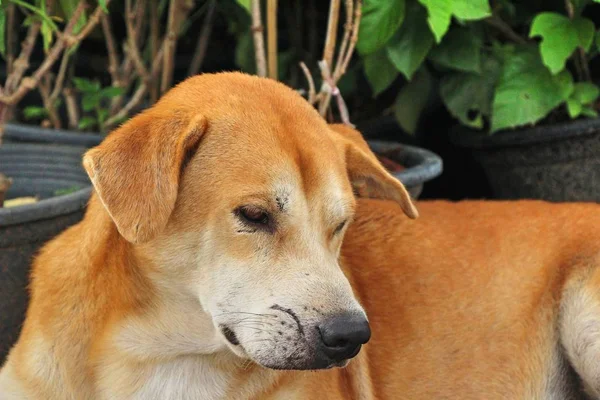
x=339, y=228
x=253, y=215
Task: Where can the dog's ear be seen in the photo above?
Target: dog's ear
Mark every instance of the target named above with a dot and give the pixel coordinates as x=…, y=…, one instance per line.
x=136, y=170
x=368, y=177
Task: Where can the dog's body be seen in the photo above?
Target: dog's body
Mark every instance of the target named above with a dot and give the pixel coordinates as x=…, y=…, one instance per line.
x=181, y=283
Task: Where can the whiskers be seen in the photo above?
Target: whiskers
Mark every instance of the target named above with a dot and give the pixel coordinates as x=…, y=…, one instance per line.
x=268, y=315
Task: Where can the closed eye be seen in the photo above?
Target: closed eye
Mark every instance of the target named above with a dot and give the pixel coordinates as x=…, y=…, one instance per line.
x=339, y=228
x=254, y=218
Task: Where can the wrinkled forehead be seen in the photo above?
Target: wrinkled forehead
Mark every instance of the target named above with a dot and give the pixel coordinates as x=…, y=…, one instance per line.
x=282, y=162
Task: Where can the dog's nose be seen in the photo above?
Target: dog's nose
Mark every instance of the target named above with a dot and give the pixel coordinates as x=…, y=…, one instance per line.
x=343, y=334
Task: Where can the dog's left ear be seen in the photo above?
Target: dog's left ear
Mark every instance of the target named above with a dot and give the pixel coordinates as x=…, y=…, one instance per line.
x=136, y=170
x=368, y=177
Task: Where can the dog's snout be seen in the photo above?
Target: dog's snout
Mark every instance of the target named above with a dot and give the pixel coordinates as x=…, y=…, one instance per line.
x=343, y=334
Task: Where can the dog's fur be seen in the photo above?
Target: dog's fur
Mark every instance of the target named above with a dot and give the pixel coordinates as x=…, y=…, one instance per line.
x=472, y=300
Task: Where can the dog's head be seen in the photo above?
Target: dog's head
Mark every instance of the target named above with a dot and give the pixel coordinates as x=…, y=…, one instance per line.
x=239, y=194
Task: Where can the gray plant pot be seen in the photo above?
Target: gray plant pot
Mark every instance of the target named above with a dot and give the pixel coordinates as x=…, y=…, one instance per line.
x=20, y=133
x=420, y=165
x=555, y=163
x=40, y=162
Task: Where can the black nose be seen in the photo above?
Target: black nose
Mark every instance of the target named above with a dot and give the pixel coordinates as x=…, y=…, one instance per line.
x=343, y=334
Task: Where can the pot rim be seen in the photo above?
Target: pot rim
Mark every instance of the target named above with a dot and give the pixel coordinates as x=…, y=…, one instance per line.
x=470, y=138
x=46, y=208
x=17, y=132
x=426, y=164
x=53, y=206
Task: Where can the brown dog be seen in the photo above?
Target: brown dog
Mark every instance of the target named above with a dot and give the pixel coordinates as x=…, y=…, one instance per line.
x=206, y=267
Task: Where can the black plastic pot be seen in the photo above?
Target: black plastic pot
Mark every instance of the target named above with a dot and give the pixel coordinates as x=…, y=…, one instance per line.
x=19, y=133
x=420, y=165
x=555, y=163
x=36, y=170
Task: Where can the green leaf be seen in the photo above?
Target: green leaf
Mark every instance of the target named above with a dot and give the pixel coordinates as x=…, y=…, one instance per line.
x=3, y=32
x=87, y=122
x=574, y=108
x=380, y=20
x=37, y=11
x=471, y=10
x=409, y=46
x=412, y=99
x=46, y=29
x=460, y=50
x=585, y=92
x=585, y=32
x=527, y=91
x=86, y=86
x=111, y=91
x=46, y=35
x=560, y=37
x=102, y=115
x=440, y=13
x=102, y=4
x=33, y=112
x=468, y=96
x=245, y=4
x=90, y=101
x=380, y=71
x=589, y=112
x=598, y=40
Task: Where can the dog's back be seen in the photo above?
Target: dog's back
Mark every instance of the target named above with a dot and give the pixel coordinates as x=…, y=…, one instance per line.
x=479, y=299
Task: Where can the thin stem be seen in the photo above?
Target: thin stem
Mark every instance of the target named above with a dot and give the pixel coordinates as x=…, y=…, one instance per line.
x=203, y=39
x=272, y=37
x=327, y=87
x=505, y=29
x=154, y=44
x=259, y=41
x=22, y=63
x=346, y=38
x=111, y=49
x=60, y=78
x=49, y=105
x=10, y=36
x=581, y=62
x=72, y=107
x=89, y=26
x=312, y=93
x=132, y=46
x=332, y=27
x=64, y=40
x=355, y=27
x=139, y=94
x=178, y=11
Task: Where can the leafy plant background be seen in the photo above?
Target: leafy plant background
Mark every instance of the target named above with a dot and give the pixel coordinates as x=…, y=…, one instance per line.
x=493, y=64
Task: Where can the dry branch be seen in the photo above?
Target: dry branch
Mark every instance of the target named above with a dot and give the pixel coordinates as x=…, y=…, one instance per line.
x=272, y=37
x=332, y=27
x=259, y=41
x=202, y=45
x=65, y=40
x=178, y=11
